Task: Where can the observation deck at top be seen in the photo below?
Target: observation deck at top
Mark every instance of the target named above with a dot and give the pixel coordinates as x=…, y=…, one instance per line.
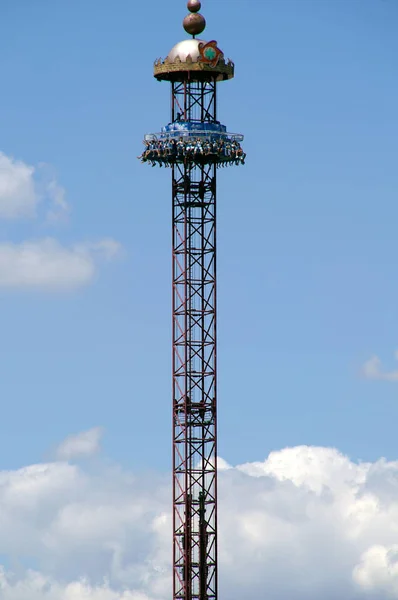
x=194, y=59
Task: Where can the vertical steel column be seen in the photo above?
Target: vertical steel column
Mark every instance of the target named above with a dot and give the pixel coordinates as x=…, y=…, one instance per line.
x=194, y=360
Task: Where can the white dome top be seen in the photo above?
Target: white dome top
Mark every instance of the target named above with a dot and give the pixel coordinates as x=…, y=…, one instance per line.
x=184, y=48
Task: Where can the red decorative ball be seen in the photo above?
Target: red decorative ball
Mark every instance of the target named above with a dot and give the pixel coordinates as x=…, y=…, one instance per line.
x=194, y=5
x=194, y=24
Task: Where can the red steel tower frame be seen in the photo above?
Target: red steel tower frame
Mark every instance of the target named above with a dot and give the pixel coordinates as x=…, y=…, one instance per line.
x=194, y=364
x=194, y=145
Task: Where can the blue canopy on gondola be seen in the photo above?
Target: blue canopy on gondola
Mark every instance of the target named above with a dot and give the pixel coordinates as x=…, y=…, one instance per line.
x=194, y=129
x=190, y=126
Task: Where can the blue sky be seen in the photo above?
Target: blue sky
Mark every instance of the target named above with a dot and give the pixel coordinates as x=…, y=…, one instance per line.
x=307, y=229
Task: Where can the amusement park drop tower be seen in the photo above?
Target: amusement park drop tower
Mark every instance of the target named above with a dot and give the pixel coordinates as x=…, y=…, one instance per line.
x=194, y=144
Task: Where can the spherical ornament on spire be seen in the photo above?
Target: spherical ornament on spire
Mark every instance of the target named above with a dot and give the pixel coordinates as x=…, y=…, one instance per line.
x=194, y=6
x=194, y=24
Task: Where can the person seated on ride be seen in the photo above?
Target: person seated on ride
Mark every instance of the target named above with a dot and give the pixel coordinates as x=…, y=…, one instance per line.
x=198, y=147
x=173, y=148
x=163, y=152
x=180, y=148
x=189, y=148
x=167, y=147
x=148, y=151
x=241, y=156
x=161, y=147
x=207, y=147
x=153, y=147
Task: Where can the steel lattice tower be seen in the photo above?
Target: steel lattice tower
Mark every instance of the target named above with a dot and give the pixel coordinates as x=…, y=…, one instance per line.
x=194, y=144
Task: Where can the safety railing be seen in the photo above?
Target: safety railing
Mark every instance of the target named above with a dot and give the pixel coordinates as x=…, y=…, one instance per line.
x=202, y=134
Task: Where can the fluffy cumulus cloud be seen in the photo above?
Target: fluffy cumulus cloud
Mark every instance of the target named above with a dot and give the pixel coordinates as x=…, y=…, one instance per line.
x=36, y=587
x=306, y=523
x=378, y=571
x=48, y=265
x=24, y=187
x=33, y=192
x=373, y=369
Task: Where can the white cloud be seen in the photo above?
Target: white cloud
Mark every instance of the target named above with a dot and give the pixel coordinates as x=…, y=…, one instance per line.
x=18, y=196
x=43, y=264
x=84, y=444
x=46, y=264
x=23, y=187
x=378, y=571
x=306, y=523
x=372, y=369
x=35, y=586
